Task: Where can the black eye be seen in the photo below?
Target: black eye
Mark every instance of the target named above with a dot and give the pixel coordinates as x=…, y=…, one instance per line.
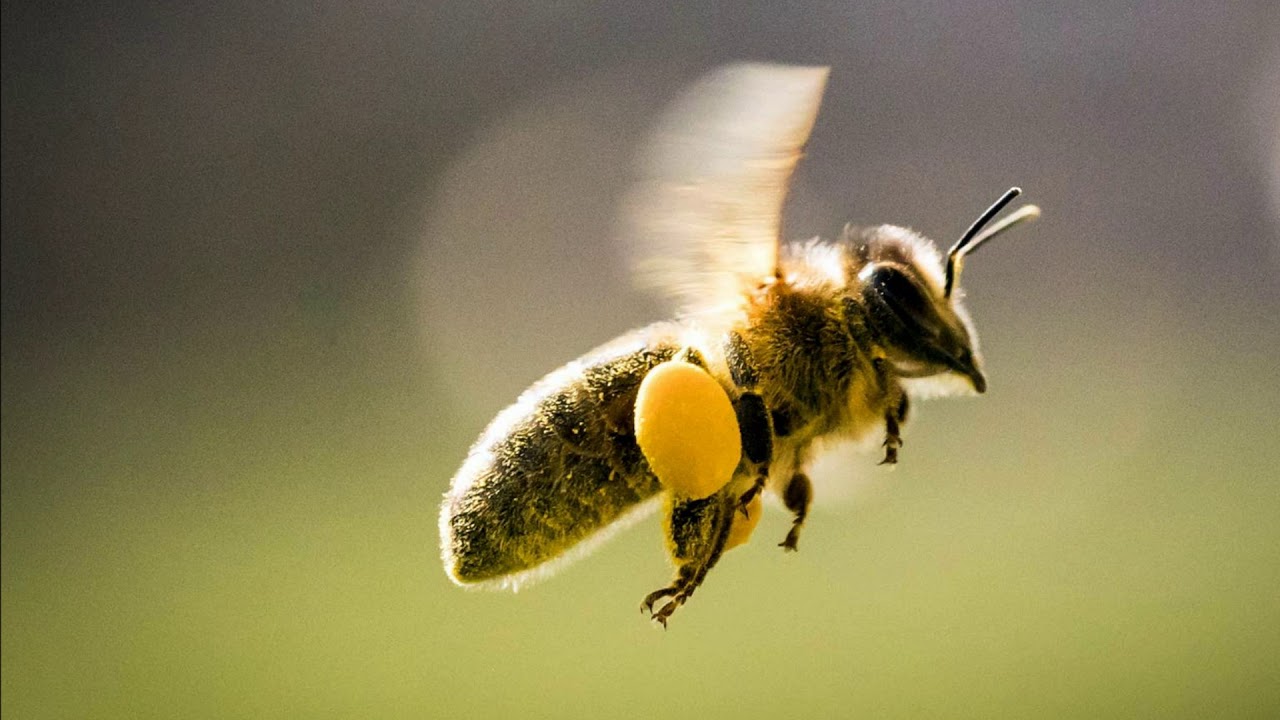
x=927, y=337
x=899, y=302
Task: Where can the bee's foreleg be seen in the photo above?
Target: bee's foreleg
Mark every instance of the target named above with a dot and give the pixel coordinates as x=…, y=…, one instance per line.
x=894, y=415
x=696, y=535
x=893, y=419
x=797, y=496
x=754, y=420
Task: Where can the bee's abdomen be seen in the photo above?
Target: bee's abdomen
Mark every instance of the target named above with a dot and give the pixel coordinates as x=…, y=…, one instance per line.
x=551, y=471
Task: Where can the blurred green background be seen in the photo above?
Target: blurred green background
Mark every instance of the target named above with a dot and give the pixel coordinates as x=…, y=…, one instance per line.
x=269, y=268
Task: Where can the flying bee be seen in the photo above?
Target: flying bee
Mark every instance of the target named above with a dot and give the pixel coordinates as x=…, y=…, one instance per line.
x=775, y=347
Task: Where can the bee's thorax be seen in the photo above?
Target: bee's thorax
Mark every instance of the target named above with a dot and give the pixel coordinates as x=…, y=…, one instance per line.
x=816, y=357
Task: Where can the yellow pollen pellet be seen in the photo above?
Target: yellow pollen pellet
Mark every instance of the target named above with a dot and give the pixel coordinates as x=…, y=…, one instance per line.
x=742, y=527
x=686, y=427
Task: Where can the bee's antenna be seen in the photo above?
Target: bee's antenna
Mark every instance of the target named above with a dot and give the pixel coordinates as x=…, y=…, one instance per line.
x=971, y=239
x=1022, y=214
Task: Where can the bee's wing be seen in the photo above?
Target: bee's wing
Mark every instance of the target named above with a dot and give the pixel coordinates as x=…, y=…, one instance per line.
x=704, y=220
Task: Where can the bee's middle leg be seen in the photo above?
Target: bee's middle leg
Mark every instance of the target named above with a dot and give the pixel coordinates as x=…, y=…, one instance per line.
x=755, y=423
x=696, y=535
x=757, y=443
x=797, y=497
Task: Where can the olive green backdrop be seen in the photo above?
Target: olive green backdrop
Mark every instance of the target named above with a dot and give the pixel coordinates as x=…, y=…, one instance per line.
x=269, y=268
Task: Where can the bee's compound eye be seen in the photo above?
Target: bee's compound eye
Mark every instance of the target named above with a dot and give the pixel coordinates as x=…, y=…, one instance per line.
x=897, y=292
x=686, y=427
x=743, y=525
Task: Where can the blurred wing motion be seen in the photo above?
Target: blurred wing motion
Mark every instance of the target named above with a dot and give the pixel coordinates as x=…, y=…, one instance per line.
x=704, y=221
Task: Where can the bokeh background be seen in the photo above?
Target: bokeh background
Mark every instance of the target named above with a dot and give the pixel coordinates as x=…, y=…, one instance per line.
x=269, y=268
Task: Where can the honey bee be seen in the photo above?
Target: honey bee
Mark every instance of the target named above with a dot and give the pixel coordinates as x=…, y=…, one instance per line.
x=775, y=347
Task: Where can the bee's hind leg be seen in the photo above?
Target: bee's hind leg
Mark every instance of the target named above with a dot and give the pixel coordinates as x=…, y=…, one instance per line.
x=696, y=535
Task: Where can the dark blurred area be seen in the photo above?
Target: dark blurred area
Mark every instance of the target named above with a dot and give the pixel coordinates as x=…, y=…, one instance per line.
x=269, y=268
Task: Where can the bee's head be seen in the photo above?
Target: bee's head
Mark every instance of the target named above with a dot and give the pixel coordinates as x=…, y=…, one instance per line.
x=913, y=300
